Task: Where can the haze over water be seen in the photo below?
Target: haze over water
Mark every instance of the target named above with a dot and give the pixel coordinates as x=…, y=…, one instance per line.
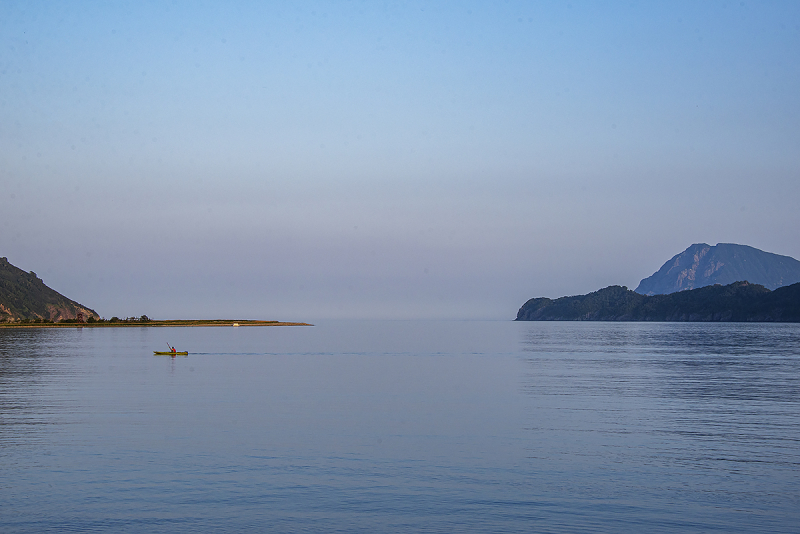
x=290, y=161
x=370, y=426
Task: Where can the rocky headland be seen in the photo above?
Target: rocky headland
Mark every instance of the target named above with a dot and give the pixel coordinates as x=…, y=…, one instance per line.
x=25, y=297
x=737, y=302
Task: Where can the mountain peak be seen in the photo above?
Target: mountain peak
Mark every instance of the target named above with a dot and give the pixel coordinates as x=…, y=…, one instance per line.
x=702, y=265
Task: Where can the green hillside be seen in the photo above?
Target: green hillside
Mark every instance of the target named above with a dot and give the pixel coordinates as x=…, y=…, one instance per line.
x=24, y=297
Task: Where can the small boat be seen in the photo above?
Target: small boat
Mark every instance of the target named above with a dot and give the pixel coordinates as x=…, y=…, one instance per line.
x=171, y=352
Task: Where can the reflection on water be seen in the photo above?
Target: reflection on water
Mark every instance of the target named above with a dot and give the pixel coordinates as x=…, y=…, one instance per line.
x=403, y=426
x=29, y=358
x=671, y=338
x=669, y=413
x=675, y=360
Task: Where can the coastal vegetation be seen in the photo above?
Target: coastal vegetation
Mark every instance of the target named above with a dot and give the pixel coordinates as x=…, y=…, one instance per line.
x=143, y=321
x=736, y=302
x=25, y=301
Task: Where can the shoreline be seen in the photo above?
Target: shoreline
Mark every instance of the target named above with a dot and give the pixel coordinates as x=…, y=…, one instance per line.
x=152, y=323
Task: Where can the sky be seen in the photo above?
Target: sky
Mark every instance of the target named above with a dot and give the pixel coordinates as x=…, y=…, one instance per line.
x=398, y=160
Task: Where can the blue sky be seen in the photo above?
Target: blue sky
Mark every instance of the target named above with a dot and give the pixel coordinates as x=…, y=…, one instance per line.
x=377, y=159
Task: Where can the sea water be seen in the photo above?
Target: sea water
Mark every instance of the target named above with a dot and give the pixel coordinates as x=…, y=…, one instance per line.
x=402, y=426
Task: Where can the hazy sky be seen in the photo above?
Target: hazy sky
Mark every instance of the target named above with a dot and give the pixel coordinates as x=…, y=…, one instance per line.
x=302, y=160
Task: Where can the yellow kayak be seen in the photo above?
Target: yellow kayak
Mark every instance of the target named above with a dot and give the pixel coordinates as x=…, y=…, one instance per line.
x=170, y=353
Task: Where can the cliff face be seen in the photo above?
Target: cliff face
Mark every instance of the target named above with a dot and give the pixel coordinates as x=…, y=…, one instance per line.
x=702, y=265
x=23, y=296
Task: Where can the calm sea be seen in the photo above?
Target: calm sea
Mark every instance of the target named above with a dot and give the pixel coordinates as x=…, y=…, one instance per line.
x=369, y=426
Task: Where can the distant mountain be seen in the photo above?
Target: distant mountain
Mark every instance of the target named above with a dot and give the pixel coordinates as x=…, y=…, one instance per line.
x=702, y=265
x=737, y=302
x=23, y=296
